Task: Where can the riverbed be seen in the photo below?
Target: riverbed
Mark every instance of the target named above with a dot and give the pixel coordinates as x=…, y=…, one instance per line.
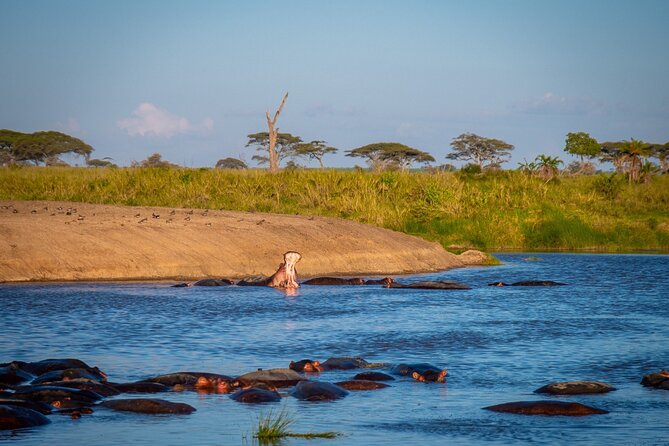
x=609, y=323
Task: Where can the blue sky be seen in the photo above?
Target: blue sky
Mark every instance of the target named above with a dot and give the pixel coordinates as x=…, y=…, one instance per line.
x=190, y=79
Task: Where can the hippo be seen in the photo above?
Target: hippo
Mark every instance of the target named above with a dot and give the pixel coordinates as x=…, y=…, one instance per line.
x=257, y=394
x=48, y=365
x=345, y=363
x=658, y=380
x=421, y=372
x=213, y=282
x=575, y=388
x=68, y=374
x=103, y=389
x=43, y=408
x=385, y=281
x=284, y=277
x=333, y=281
x=12, y=374
x=361, y=384
x=431, y=285
x=528, y=283
x=271, y=377
x=148, y=406
x=374, y=376
x=49, y=394
x=139, y=387
x=212, y=383
x=546, y=407
x=317, y=391
x=306, y=366
x=15, y=417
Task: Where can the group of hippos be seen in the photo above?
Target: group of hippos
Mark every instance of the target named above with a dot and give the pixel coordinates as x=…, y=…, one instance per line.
x=286, y=278
x=31, y=390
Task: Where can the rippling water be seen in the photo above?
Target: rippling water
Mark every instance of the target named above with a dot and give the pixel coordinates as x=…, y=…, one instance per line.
x=611, y=323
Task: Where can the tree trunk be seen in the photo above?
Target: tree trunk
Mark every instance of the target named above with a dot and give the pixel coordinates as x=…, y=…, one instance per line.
x=273, y=132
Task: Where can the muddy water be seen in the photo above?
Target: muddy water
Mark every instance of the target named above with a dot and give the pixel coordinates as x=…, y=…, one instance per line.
x=610, y=323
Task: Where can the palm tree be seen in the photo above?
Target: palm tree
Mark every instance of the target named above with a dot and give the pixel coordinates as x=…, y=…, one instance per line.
x=528, y=167
x=631, y=153
x=547, y=166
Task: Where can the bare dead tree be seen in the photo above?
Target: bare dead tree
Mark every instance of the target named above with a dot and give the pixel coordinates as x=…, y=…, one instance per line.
x=273, y=132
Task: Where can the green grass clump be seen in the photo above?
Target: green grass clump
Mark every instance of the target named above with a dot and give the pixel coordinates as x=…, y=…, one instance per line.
x=273, y=427
x=505, y=210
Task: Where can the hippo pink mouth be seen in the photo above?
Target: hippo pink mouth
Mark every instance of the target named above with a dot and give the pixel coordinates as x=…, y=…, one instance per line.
x=286, y=275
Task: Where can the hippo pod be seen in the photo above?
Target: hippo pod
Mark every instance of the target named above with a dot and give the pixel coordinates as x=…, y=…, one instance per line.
x=421, y=372
x=15, y=417
x=658, y=380
x=431, y=285
x=528, y=283
x=575, y=388
x=317, y=391
x=148, y=406
x=201, y=381
x=361, y=384
x=546, y=407
x=258, y=394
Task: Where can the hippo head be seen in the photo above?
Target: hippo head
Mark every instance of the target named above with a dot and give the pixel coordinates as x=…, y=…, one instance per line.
x=286, y=275
x=213, y=385
x=307, y=366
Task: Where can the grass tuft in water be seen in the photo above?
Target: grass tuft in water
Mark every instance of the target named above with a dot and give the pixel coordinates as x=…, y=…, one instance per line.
x=273, y=426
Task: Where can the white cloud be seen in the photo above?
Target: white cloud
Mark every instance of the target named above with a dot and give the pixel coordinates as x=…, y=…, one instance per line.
x=150, y=120
x=554, y=104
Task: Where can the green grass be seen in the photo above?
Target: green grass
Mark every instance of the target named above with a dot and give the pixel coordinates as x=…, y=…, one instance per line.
x=272, y=427
x=507, y=210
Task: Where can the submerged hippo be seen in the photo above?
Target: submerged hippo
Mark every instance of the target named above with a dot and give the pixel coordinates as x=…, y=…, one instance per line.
x=374, y=376
x=43, y=408
x=431, y=285
x=48, y=365
x=546, y=408
x=575, y=388
x=385, y=281
x=658, y=380
x=69, y=374
x=139, y=387
x=103, y=389
x=361, y=384
x=257, y=394
x=15, y=417
x=272, y=377
x=11, y=375
x=213, y=282
x=528, y=283
x=48, y=394
x=333, y=281
x=148, y=406
x=345, y=363
x=191, y=379
x=317, y=391
x=306, y=366
x=421, y=372
x=284, y=277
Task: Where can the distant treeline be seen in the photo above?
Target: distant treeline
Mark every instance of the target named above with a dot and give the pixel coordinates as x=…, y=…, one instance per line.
x=493, y=210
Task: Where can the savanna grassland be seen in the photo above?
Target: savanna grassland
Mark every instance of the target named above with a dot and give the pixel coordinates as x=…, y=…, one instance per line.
x=494, y=211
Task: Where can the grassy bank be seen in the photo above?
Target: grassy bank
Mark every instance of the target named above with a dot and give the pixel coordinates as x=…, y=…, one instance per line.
x=506, y=210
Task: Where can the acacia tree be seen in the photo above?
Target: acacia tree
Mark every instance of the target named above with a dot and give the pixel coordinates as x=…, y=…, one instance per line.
x=661, y=152
x=385, y=155
x=231, y=163
x=273, y=134
x=284, y=145
x=479, y=149
x=627, y=156
x=154, y=160
x=582, y=145
x=38, y=147
x=313, y=150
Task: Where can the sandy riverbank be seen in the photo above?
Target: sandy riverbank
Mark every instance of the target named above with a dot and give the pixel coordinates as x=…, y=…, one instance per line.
x=51, y=241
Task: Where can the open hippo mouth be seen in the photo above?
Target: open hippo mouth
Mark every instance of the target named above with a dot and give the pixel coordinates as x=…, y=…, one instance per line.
x=286, y=275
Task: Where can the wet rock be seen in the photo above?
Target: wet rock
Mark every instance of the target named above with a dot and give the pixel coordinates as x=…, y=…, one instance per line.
x=256, y=395
x=546, y=407
x=15, y=417
x=374, y=376
x=431, y=285
x=317, y=391
x=43, y=408
x=148, y=406
x=333, y=281
x=139, y=387
x=273, y=377
x=361, y=384
x=658, y=380
x=575, y=388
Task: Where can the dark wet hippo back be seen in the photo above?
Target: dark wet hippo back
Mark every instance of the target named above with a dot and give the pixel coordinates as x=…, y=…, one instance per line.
x=374, y=376
x=213, y=282
x=300, y=365
x=408, y=369
x=575, y=388
x=546, y=408
x=333, y=281
x=361, y=384
x=537, y=283
x=14, y=417
x=431, y=285
x=317, y=391
x=84, y=384
x=49, y=394
x=346, y=363
x=254, y=395
x=60, y=375
x=12, y=375
x=43, y=408
x=149, y=406
x=271, y=377
x=140, y=387
x=656, y=380
x=48, y=365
